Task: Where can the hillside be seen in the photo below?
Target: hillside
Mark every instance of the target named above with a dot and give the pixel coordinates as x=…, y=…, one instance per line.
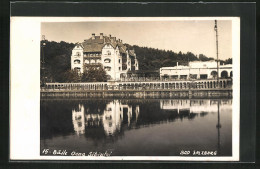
x=57, y=58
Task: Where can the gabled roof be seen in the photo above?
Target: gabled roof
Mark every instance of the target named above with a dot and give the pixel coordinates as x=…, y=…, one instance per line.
x=132, y=52
x=96, y=45
x=78, y=45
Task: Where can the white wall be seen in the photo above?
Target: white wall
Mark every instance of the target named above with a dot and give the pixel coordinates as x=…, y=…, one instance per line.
x=75, y=57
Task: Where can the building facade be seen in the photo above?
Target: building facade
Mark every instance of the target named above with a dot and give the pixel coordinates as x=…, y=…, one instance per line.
x=197, y=70
x=106, y=52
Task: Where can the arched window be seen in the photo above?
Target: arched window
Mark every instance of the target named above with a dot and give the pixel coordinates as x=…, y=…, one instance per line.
x=214, y=74
x=108, y=52
x=224, y=74
x=107, y=60
x=77, y=61
x=231, y=74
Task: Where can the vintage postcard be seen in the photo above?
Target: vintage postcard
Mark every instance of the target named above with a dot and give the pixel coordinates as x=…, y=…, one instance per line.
x=125, y=88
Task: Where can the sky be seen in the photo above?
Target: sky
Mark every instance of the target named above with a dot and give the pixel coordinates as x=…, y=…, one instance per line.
x=196, y=36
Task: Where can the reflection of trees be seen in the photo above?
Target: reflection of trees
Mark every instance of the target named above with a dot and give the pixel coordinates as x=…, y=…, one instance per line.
x=109, y=119
x=55, y=118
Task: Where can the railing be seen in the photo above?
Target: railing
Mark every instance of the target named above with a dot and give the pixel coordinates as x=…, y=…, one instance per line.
x=151, y=79
x=144, y=85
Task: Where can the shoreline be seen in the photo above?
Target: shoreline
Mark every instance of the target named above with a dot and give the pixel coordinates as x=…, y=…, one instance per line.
x=192, y=93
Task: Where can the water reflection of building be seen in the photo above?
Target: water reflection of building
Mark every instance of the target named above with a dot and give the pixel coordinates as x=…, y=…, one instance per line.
x=78, y=119
x=194, y=106
x=115, y=114
x=112, y=117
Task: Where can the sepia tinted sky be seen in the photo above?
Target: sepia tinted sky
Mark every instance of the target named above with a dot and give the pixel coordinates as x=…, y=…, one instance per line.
x=197, y=37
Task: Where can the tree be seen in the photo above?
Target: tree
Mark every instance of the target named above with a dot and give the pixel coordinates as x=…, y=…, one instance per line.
x=204, y=58
x=228, y=61
x=94, y=74
x=56, y=56
x=71, y=76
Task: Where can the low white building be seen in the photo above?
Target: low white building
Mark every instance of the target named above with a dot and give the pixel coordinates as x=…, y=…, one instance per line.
x=104, y=51
x=197, y=70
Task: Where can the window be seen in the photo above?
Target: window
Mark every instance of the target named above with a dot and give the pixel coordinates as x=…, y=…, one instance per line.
x=79, y=124
x=108, y=52
x=118, y=60
x=107, y=60
x=119, y=68
x=78, y=53
x=78, y=118
x=77, y=61
x=108, y=117
x=107, y=68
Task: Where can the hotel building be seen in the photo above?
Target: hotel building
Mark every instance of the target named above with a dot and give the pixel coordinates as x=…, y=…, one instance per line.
x=106, y=52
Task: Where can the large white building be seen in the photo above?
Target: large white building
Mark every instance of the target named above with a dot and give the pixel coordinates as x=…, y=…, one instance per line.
x=197, y=70
x=104, y=51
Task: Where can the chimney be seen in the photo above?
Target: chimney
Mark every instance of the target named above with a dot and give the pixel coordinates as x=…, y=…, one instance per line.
x=93, y=36
x=101, y=35
x=119, y=40
x=110, y=36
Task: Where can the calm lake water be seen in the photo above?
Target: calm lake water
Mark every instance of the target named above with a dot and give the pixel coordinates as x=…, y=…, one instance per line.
x=137, y=127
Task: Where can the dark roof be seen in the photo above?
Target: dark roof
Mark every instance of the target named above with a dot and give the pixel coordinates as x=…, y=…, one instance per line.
x=96, y=45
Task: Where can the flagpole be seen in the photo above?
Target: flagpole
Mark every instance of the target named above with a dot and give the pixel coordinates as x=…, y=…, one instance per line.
x=216, y=29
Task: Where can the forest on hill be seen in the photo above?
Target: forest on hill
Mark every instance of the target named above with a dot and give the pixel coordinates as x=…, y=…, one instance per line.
x=57, y=58
x=154, y=59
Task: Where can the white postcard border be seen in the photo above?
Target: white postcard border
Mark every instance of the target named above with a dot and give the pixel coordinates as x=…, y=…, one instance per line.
x=25, y=36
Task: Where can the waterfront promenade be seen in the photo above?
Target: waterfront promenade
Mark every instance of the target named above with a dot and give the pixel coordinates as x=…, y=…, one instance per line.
x=186, y=87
